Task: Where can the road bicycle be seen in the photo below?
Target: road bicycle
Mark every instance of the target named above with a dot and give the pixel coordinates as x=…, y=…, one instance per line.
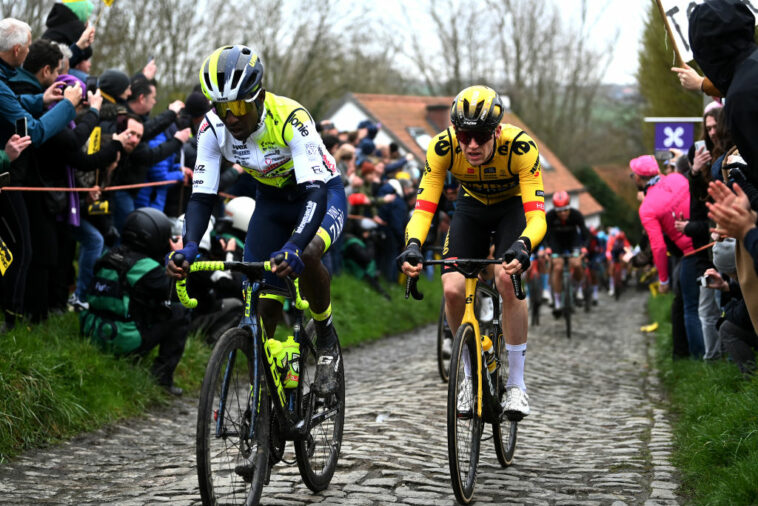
x=246, y=415
x=482, y=391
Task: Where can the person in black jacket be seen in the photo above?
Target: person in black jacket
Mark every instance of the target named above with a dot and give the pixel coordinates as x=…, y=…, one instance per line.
x=130, y=308
x=67, y=23
x=722, y=36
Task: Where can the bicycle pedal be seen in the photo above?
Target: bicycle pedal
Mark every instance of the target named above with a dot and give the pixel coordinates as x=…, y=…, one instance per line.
x=512, y=416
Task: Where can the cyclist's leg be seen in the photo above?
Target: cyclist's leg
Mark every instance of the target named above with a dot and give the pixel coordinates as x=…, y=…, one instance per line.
x=515, y=312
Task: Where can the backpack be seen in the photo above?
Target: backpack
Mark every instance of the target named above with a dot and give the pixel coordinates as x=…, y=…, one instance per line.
x=108, y=322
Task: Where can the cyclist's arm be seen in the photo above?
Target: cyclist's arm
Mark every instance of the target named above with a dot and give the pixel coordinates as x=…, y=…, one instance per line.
x=439, y=159
x=204, y=181
x=527, y=166
x=313, y=166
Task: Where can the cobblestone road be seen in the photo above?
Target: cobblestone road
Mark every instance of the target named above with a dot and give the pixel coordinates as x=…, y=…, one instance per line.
x=598, y=433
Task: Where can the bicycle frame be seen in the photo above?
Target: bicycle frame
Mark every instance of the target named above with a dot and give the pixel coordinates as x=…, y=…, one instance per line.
x=293, y=427
x=469, y=315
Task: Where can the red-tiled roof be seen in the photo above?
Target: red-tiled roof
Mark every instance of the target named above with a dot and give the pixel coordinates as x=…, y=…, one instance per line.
x=397, y=113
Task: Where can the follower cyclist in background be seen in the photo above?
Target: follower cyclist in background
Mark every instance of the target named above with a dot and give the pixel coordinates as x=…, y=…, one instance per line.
x=566, y=234
x=300, y=201
x=498, y=168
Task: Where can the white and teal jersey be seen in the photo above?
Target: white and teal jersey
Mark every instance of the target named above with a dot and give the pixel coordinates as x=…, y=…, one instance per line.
x=285, y=150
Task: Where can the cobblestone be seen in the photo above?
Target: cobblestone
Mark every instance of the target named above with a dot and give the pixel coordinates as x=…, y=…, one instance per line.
x=598, y=432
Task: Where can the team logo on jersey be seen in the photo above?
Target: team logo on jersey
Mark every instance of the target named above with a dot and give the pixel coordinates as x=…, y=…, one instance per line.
x=312, y=151
x=522, y=147
x=427, y=168
x=503, y=150
x=535, y=170
x=299, y=126
x=490, y=170
x=442, y=147
x=203, y=126
x=539, y=193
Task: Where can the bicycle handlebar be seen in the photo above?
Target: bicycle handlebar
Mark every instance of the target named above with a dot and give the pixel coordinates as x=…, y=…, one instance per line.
x=251, y=269
x=469, y=267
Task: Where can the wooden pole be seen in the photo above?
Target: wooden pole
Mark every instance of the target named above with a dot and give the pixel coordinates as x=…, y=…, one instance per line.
x=679, y=61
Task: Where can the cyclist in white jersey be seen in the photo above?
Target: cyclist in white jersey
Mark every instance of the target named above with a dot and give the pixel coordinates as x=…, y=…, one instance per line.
x=300, y=201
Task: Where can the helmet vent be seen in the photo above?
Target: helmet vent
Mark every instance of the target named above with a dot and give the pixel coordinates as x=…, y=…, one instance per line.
x=207, y=78
x=220, y=80
x=236, y=76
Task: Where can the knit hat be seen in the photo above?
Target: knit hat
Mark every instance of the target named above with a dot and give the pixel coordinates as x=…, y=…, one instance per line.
x=644, y=166
x=196, y=104
x=113, y=82
x=82, y=8
x=723, y=256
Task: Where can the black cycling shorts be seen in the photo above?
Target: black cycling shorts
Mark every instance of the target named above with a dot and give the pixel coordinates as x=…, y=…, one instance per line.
x=475, y=226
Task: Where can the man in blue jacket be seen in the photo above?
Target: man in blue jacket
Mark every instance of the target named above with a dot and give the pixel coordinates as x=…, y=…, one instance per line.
x=15, y=39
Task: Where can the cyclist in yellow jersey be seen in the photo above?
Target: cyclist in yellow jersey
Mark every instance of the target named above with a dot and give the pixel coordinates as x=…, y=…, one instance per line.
x=501, y=196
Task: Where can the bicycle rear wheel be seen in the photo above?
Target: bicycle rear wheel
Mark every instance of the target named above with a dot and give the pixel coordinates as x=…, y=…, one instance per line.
x=464, y=427
x=505, y=432
x=443, y=332
x=318, y=452
x=568, y=306
x=232, y=467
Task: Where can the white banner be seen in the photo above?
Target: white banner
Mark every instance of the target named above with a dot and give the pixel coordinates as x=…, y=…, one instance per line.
x=677, y=16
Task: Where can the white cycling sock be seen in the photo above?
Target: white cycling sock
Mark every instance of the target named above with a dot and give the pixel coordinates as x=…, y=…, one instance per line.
x=516, y=358
x=557, y=298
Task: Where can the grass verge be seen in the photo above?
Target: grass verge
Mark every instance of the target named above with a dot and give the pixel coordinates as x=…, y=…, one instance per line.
x=716, y=421
x=54, y=385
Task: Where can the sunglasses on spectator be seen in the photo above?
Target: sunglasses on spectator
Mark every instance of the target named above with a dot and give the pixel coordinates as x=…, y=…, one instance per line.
x=236, y=107
x=466, y=136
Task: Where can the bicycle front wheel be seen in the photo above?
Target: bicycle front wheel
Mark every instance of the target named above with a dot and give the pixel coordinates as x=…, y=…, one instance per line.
x=505, y=432
x=464, y=427
x=232, y=466
x=443, y=333
x=318, y=452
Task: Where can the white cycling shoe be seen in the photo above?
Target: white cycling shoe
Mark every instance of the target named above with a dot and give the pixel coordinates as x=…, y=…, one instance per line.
x=516, y=405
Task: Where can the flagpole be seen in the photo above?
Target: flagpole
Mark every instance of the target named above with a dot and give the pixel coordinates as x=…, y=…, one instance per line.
x=679, y=60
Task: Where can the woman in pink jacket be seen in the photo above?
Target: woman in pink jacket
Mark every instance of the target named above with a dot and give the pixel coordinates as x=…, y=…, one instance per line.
x=667, y=199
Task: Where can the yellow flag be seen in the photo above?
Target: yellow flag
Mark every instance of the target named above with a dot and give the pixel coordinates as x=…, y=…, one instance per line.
x=108, y=2
x=6, y=257
x=94, y=141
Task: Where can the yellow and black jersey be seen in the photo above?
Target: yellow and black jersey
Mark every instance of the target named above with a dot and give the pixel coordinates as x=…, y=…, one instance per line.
x=513, y=170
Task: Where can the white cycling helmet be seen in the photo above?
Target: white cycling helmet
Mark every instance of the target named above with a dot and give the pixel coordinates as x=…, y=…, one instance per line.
x=205, y=242
x=240, y=209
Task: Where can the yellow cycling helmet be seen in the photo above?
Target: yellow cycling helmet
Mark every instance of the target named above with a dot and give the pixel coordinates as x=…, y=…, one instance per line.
x=231, y=73
x=477, y=108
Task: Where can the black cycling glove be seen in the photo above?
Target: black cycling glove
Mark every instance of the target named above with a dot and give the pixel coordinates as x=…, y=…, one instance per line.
x=520, y=252
x=411, y=254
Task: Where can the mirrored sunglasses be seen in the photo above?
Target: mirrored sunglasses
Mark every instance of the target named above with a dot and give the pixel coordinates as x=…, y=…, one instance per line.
x=466, y=136
x=236, y=107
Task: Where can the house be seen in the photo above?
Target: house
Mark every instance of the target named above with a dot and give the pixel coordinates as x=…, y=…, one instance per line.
x=412, y=121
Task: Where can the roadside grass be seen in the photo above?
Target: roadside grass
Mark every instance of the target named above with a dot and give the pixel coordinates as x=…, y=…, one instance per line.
x=54, y=384
x=716, y=421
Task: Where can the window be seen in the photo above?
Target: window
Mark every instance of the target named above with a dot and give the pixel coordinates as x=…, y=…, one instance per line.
x=420, y=136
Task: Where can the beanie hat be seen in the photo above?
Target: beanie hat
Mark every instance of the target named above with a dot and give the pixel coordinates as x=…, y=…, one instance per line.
x=196, y=104
x=82, y=8
x=724, y=257
x=644, y=166
x=113, y=82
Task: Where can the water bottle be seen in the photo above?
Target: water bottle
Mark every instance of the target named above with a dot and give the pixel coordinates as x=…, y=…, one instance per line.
x=291, y=361
x=489, y=354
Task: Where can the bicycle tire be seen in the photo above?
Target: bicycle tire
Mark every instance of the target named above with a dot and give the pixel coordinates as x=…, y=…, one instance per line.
x=568, y=306
x=535, y=299
x=317, y=454
x=505, y=432
x=464, y=431
x=219, y=456
x=443, y=330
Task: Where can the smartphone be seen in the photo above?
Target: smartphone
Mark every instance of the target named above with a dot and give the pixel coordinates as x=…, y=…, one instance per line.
x=21, y=126
x=699, y=145
x=663, y=155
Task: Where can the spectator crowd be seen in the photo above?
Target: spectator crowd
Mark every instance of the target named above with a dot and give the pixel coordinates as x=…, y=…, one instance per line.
x=698, y=208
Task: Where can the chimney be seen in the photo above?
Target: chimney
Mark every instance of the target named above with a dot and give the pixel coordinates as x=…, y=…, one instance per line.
x=438, y=115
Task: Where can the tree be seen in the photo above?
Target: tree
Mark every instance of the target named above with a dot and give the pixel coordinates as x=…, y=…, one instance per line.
x=33, y=12
x=659, y=86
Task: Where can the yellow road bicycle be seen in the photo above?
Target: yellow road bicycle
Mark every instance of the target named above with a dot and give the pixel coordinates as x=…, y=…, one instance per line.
x=476, y=388
x=252, y=401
